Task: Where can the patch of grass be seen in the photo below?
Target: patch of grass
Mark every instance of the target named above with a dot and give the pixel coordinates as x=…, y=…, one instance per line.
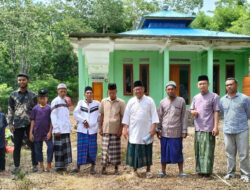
x=20, y=175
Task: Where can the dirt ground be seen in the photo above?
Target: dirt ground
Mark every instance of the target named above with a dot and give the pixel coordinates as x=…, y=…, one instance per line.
x=85, y=181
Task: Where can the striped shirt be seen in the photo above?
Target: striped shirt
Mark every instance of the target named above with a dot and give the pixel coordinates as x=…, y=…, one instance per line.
x=172, y=116
x=85, y=112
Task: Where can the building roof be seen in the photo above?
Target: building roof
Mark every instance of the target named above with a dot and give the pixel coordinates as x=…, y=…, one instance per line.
x=166, y=15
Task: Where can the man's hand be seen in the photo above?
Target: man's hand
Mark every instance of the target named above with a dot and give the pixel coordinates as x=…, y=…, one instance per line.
x=119, y=134
x=49, y=136
x=194, y=113
x=57, y=134
x=12, y=128
x=101, y=131
x=184, y=135
x=31, y=138
x=152, y=132
x=215, y=131
x=159, y=134
x=86, y=124
x=125, y=132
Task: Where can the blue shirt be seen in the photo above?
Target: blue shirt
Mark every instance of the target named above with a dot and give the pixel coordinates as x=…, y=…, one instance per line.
x=236, y=111
x=3, y=124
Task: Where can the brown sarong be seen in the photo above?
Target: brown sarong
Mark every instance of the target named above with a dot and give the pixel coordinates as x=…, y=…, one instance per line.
x=111, y=150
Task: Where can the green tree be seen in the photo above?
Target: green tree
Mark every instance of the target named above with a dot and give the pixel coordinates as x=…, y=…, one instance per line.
x=185, y=6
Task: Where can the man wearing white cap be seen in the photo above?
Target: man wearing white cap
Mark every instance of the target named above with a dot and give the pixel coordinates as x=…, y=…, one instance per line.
x=61, y=129
x=172, y=128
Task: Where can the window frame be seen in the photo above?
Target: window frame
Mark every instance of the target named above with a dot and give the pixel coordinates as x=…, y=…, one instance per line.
x=124, y=80
x=140, y=69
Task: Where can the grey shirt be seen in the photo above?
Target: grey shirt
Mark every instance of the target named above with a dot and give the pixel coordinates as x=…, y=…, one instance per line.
x=172, y=116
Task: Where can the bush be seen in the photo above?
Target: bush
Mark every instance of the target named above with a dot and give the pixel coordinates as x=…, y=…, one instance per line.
x=4, y=96
x=49, y=84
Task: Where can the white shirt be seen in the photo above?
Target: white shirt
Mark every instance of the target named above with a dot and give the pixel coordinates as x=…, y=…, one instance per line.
x=139, y=115
x=60, y=116
x=85, y=112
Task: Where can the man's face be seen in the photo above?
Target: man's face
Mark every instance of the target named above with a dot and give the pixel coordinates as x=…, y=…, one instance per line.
x=139, y=91
x=171, y=91
x=112, y=94
x=43, y=100
x=231, y=86
x=203, y=86
x=62, y=92
x=22, y=82
x=88, y=95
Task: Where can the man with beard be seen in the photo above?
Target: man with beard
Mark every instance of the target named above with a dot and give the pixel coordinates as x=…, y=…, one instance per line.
x=172, y=128
x=236, y=109
x=21, y=102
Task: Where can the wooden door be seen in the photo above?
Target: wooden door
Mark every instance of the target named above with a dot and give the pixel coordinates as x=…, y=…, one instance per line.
x=98, y=91
x=175, y=76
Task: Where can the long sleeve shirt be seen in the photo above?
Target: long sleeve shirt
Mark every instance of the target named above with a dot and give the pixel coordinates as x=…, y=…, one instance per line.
x=60, y=116
x=19, y=108
x=236, y=111
x=139, y=115
x=172, y=117
x=85, y=112
x=3, y=124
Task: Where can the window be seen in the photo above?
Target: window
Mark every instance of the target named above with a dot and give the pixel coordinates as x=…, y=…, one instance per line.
x=144, y=76
x=216, y=79
x=230, y=71
x=128, y=79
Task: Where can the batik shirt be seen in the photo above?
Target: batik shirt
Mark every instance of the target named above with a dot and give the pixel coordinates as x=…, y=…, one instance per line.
x=20, y=106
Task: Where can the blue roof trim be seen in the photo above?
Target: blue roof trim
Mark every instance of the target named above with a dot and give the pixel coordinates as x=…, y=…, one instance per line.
x=166, y=15
x=169, y=14
x=183, y=32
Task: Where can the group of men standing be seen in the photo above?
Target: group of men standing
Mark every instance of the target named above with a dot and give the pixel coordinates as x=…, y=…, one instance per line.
x=139, y=121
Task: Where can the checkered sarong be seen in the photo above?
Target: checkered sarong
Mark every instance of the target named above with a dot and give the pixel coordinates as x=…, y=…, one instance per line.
x=111, y=150
x=86, y=148
x=62, y=150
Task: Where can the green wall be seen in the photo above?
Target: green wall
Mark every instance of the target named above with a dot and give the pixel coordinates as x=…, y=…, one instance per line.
x=198, y=62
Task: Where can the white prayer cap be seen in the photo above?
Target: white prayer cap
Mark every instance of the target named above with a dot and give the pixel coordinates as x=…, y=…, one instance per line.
x=62, y=85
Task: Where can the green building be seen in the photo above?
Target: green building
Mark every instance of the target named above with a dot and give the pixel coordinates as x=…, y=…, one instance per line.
x=162, y=48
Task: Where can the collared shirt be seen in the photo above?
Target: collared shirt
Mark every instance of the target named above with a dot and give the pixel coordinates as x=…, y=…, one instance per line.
x=113, y=111
x=3, y=125
x=41, y=117
x=87, y=112
x=205, y=105
x=60, y=116
x=139, y=115
x=19, y=108
x=172, y=117
x=236, y=111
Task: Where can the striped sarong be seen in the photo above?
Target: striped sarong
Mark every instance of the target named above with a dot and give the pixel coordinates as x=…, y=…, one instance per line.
x=86, y=148
x=62, y=150
x=204, y=145
x=111, y=150
x=139, y=155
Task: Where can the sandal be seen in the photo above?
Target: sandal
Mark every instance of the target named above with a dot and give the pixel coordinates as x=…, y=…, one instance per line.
x=161, y=174
x=182, y=174
x=149, y=175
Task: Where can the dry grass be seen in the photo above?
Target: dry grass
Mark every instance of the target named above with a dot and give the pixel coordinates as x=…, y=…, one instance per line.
x=84, y=181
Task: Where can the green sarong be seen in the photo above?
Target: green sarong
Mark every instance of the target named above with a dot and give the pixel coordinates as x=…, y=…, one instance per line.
x=139, y=155
x=204, y=145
